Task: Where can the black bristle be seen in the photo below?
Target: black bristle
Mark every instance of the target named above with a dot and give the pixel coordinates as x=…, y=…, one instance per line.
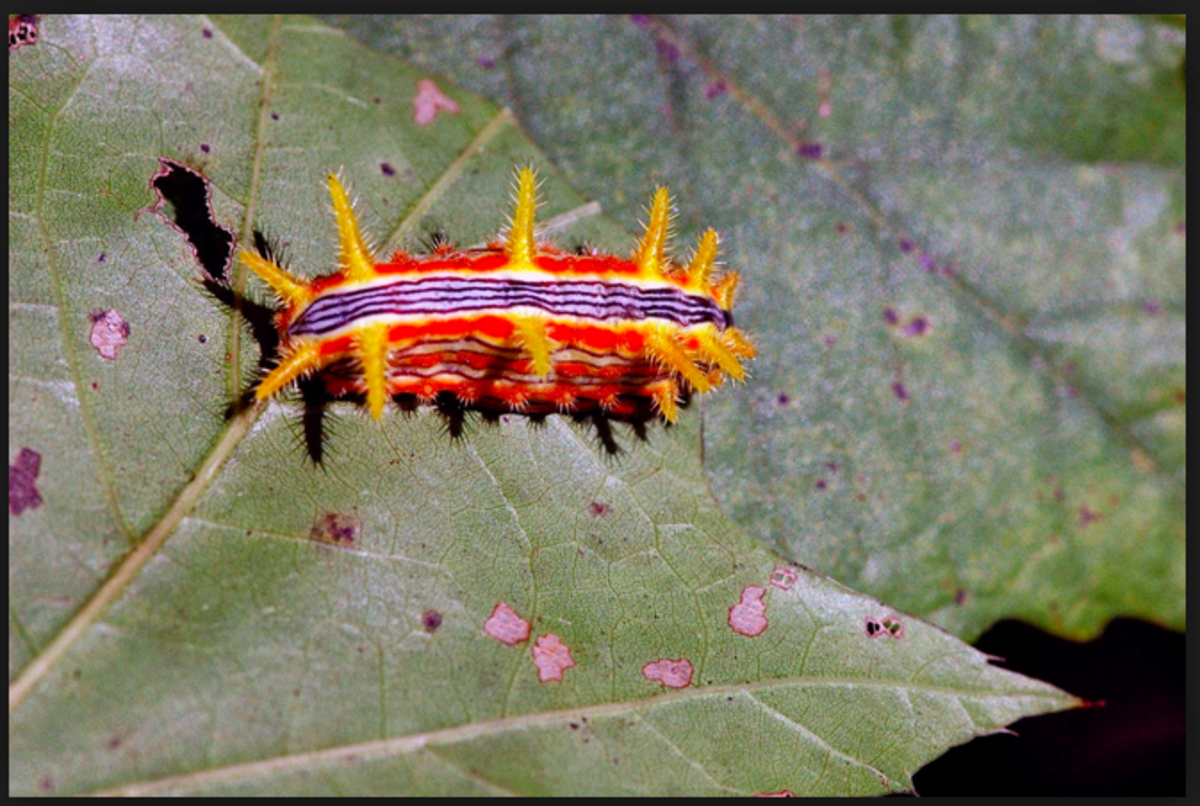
x=453, y=411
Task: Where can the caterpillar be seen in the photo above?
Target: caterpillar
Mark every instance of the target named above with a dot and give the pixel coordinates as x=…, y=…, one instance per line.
x=518, y=326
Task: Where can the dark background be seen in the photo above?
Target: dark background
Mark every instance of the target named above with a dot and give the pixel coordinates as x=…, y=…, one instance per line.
x=1133, y=744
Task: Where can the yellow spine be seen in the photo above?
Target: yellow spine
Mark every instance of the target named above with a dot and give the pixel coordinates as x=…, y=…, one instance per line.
x=651, y=254
x=706, y=255
x=357, y=260
x=299, y=361
x=291, y=290
x=372, y=354
x=664, y=347
x=533, y=333
x=521, y=245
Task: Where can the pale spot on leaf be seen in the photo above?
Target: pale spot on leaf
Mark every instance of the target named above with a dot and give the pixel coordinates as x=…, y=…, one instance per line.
x=428, y=101
x=109, y=331
x=672, y=673
x=784, y=578
x=749, y=616
x=888, y=625
x=506, y=626
x=551, y=657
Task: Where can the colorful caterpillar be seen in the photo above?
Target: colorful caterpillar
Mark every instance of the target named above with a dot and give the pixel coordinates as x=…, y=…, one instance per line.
x=518, y=326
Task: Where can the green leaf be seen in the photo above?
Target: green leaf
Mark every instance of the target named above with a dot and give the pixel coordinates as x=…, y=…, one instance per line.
x=1011, y=191
x=195, y=608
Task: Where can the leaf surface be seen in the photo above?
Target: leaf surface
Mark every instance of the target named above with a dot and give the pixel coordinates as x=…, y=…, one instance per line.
x=962, y=247
x=195, y=608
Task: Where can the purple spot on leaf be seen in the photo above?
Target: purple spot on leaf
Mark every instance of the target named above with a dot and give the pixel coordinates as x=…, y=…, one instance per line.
x=810, y=150
x=900, y=391
x=22, y=477
x=431, y=620
x=666, y=50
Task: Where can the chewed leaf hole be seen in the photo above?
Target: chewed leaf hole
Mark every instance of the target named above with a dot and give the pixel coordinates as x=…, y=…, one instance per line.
x=185, y=200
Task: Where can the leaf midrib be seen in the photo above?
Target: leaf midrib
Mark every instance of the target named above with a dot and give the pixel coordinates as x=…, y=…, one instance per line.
x=400, y=745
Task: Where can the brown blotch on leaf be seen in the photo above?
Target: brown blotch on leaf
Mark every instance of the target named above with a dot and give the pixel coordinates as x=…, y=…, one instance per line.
x=337, y=529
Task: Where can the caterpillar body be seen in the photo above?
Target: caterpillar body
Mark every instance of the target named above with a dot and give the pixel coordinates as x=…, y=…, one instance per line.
x=519, y=326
